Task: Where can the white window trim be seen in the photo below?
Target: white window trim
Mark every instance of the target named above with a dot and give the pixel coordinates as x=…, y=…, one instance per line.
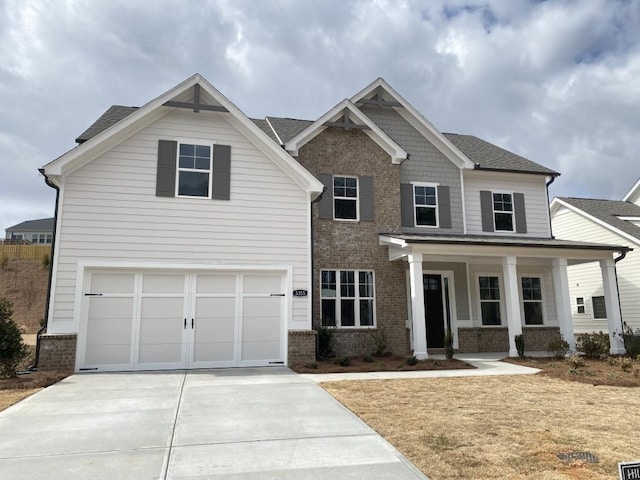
x=542, y=299
x=415, y=206
x=513, y=211
x=501, y=301
x=583, y=305
x=357, y=198
x=196, y=170
x=356, y=299
x=593, y=310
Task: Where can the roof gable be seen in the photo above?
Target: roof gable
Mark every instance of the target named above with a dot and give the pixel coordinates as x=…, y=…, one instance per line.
x=197, y=93
x=633, y=195
x=606, y=213
x=346, y=115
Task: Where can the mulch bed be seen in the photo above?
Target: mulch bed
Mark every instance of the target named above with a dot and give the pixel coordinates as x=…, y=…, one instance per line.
x=385, y=363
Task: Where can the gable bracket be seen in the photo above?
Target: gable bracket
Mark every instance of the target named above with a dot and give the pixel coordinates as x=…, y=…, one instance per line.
x=378, y=101
x=346, y=123
x=196, y=105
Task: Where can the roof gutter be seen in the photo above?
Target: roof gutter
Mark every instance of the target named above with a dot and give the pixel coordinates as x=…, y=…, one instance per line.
x=36, y=360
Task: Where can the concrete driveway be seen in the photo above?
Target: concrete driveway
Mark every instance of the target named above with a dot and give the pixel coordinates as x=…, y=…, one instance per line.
x=267, y=423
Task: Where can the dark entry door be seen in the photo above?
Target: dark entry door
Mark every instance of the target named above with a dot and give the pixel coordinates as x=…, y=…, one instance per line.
x=434, y=311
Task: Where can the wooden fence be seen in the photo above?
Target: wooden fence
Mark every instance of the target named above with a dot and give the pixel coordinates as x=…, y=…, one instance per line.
x=36, y=252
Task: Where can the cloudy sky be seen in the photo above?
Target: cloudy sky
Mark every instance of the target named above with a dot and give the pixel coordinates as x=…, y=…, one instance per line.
x=555, y=81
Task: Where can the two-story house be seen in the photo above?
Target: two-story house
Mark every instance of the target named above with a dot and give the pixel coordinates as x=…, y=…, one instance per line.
x=598, y=220
x=190, y=236
x=38, y=231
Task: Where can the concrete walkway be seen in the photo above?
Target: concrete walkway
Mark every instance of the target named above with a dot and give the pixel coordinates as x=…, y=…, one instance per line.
x=267, y=423
x=484, y=363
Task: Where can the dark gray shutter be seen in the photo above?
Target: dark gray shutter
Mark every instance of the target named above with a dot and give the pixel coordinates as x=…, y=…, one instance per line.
x=326, y=201
x=486, y=210
x=366, y=198
x=406, y=205
x=166, y=171
x=520, y=213
x=444, y=207
x=221, y=172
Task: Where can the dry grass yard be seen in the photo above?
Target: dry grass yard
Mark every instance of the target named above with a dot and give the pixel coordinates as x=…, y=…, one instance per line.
x=500, y=427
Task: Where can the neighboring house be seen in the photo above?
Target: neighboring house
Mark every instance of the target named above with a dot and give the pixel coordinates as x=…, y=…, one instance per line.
x=35, y=231
x=610, y=221
x=191, y=236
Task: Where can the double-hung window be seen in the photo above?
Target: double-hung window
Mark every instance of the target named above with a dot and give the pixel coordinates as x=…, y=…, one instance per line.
x=194, y=171
x=345, y=198
x=425, y=201
x=532, y=300
x=347, y=298
x=580, y=305
x=489, y=300
x=599, y=307
x=503, y=212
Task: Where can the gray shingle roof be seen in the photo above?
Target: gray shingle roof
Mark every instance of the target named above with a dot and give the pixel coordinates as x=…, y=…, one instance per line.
x=39, y=225
x=485, y=154
x=608, y=212
x=287, y=128
x=492, y=157
x=113, y=115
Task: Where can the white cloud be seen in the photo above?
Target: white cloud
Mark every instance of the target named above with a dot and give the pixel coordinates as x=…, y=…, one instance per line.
x=554, y=81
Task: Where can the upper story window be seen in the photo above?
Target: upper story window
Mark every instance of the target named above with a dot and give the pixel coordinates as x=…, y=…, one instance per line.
x=41, y=238
x=345, y=198
x=503, y=211
x=580, y=305
x=194, y=171
x=425, y=199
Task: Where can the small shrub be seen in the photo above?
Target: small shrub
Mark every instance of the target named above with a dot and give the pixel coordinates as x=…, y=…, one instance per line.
x=343, y=361
x=325, y=340
x=12, y=348
x=520, y=345
x=45, y=261
x=412, y=360
x=593, y=344
x=575, y=361
x=558, y=346
x=626, y=364
x=612, y=361
x=436, y=363
x=636, y=372
x=379, y=338
x=4, y=262
x=367, y=359
x=448, y=344
x=631, y=340
x=311, y=365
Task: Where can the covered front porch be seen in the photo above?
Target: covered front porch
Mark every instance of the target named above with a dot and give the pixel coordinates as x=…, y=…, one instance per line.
x=487, y=290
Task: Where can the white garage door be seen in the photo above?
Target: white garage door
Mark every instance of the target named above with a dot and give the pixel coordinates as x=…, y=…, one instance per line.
x=166, y=320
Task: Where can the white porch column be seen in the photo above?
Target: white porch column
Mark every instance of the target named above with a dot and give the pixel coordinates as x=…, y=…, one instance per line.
x=512, y=302
x=612, y=304
x=563, y=301
x=417, y=306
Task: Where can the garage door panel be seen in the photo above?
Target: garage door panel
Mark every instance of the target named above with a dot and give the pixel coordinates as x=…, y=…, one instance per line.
x=262, y=329
x=221, y=283
x=157, y=283
x=262, y=284
x=215, y=329
x=260, y=351
x=159, y=353
x=112, y=282
x=213, y=351
x=107, y=308
x=161, y=330
x=105, y=354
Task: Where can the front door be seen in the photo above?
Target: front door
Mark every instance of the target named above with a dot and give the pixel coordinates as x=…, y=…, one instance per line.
x=434, y=310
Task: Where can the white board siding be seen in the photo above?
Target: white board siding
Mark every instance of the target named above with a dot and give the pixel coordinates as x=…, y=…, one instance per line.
x=586, y=280
x=109, y=212
x=535, y=197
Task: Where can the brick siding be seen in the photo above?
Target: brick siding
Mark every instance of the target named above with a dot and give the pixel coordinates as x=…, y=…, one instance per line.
x=301, y=347
x=536, y=339
x=57, y=352
x=355, y=245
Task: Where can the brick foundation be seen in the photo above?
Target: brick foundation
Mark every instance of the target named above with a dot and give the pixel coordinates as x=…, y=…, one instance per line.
x=57, y=352
x=473, y=340
x=302, y=347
